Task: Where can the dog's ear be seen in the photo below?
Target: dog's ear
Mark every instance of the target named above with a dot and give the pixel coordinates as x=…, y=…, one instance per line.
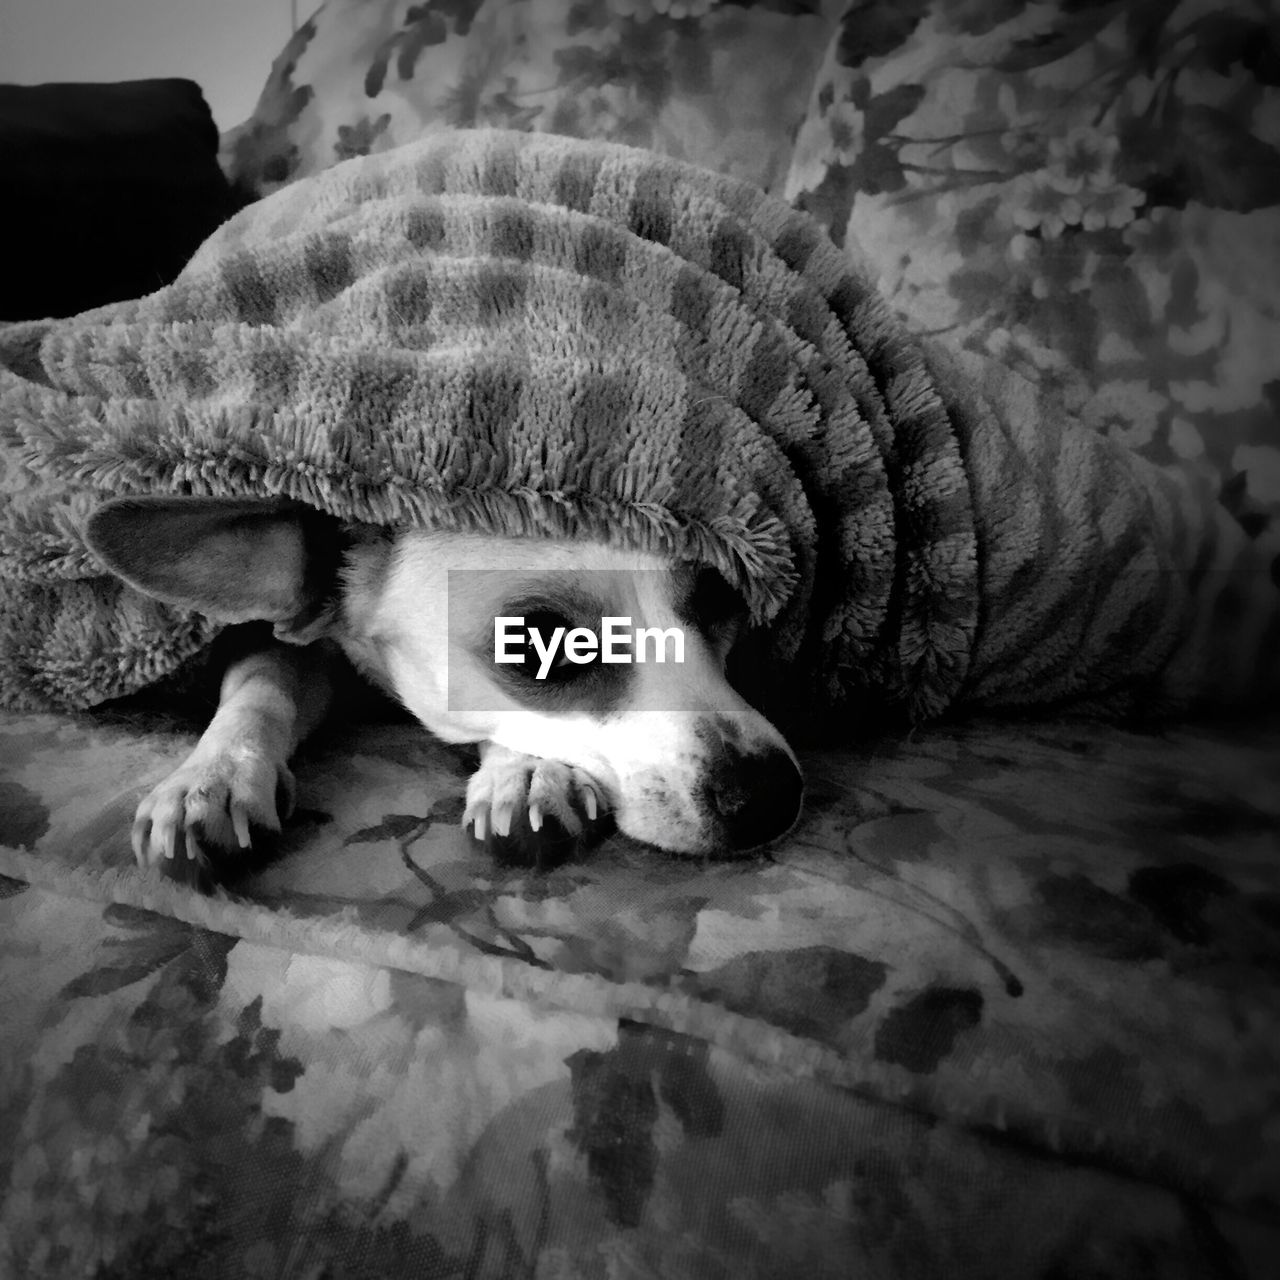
x=232, y=559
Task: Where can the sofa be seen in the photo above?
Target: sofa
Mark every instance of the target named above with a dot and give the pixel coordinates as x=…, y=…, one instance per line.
x=1002, y=1004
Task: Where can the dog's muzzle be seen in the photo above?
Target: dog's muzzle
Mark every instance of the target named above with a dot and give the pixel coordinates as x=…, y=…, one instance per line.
x=753, y=797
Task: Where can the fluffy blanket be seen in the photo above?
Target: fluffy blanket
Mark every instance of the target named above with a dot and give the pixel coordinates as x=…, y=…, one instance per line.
x=543, y=336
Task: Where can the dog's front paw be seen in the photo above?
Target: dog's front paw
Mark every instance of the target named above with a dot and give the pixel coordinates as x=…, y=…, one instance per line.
x=529, y=810
x=211, y=803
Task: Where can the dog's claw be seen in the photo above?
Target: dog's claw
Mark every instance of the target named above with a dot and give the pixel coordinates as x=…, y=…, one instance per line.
x=210, y=804
x=511, y=789
x=502, y=820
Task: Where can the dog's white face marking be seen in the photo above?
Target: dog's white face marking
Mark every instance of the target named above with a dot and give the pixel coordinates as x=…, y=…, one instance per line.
x=677, y=752
x=683, y=762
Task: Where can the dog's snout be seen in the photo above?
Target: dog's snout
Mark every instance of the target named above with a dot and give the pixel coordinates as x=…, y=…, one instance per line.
x=756, y=796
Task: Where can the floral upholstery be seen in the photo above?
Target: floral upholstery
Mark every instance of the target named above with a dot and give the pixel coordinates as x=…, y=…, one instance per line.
x=1003, y=1005
x=1092, y=194
x=724, y=86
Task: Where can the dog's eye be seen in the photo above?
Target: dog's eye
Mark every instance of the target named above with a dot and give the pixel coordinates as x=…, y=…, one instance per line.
x=546, y=622
x=552, y=628
x=713, y=601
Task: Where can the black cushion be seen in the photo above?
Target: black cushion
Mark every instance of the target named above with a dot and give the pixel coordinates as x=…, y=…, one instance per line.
x=105, y=191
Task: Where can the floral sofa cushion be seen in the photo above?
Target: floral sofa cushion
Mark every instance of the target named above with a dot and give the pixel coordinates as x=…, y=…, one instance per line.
x=1002, y=1008
x=1091, y=191
x=721, y=85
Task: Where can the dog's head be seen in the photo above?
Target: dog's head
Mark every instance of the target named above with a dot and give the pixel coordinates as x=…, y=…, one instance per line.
x=606, y=659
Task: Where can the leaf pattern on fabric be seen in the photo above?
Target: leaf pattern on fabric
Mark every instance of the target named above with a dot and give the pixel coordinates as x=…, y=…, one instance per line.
x=24, y=819
x=1061, y=194
x=153, y=943
x=1064, y=934
x=809, y=991
x=919, y=1033
x=10, y=888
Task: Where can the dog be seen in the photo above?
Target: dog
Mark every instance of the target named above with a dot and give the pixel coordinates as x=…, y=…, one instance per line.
x=667, y=749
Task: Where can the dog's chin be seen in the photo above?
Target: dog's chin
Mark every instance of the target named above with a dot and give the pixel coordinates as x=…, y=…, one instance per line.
x=716, y=820
x=709, y=841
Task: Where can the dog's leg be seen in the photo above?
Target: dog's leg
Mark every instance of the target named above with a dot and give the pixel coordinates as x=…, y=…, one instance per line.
x=238, y=775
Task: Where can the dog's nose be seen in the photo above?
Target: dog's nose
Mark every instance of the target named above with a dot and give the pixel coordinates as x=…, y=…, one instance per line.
x=756, y=796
